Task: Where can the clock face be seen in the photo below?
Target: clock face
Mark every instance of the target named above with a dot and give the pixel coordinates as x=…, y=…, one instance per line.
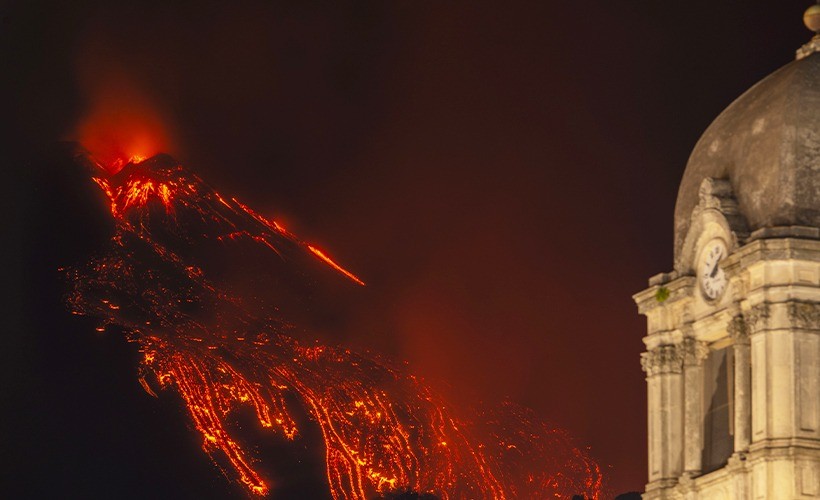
x=713, y=279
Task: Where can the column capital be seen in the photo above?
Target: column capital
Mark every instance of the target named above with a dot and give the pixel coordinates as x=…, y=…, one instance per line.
x=694, y=351
x=738, y=329
x=805, y=315
x=756, y=318
x=663, y=359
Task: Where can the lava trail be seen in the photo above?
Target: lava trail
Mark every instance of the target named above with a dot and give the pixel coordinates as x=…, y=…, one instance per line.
x=164, y=280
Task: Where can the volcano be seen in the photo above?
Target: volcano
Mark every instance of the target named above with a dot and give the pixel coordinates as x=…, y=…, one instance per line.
x=221, y=302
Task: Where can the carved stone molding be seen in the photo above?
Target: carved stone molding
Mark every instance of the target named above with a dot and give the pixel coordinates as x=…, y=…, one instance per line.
x=756, y=318
x=737, y=461
x=694, y=351
x=739, y=330
x=663, y=359
x=716, y=204
x=805, y=315
x=686, y=484
x=716, y=193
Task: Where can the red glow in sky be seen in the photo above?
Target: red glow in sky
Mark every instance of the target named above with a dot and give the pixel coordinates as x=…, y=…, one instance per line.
x=122, y=124
x=501, y=183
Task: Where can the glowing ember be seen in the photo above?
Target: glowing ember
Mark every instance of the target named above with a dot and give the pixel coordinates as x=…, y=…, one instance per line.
x=383, y=429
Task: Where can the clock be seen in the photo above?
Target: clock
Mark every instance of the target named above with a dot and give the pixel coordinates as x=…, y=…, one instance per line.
x=712, y=278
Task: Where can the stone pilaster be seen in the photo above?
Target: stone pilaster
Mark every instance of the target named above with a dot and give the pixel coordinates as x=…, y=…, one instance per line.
x=757, y=319
x=694, y=352
x=739, y=332
x=664, y=366
x=804, y=321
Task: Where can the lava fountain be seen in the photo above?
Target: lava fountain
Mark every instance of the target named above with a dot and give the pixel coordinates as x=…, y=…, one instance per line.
x=162, y=281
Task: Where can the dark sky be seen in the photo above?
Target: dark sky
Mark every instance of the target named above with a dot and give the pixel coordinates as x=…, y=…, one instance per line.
x=503, y=177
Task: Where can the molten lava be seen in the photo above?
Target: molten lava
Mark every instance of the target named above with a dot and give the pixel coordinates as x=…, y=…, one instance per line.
x=383, y=429
x=334, y=265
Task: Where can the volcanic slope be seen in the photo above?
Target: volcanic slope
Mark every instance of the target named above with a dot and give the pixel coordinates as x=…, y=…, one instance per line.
x=219, y=300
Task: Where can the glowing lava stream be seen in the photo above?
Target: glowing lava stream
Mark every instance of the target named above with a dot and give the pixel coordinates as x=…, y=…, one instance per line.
x=384, y=431
x=334, y=265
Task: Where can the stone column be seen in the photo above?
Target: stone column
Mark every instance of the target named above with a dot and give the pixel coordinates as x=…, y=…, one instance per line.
x=694, y=352
x=743, y=384
x=757, y=319
x=663, y=366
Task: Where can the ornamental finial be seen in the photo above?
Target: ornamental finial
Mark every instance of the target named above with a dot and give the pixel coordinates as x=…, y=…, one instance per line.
x=811, y=18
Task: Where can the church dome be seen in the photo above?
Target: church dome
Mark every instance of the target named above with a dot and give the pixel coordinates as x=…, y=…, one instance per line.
x=767, y=145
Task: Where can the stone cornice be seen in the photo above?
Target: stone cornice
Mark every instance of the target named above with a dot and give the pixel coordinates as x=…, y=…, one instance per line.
x=784, y=248
x=683, y=286
x=676, y=290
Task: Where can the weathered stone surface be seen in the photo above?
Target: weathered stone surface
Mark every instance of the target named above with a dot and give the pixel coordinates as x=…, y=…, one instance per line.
x=752, y=182
x=767, y=144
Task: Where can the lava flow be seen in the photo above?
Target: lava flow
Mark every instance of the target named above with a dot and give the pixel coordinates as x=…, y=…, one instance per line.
x=164, y=279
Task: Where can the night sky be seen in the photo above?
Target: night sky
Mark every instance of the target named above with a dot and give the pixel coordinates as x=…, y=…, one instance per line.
x=502, y=176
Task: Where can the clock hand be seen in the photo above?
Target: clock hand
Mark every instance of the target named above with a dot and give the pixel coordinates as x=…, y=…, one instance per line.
x=717, y=262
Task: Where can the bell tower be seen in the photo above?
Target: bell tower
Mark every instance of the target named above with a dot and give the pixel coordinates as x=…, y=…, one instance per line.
x=732, y=355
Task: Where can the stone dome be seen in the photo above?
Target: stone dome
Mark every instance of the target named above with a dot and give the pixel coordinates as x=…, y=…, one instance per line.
x=767, y=145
